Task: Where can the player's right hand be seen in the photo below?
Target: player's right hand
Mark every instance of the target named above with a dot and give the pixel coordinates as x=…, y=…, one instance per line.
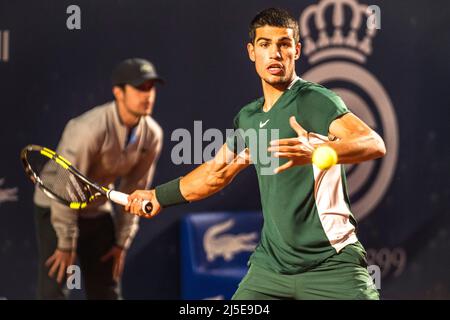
x=135, y=199
x=59, y=262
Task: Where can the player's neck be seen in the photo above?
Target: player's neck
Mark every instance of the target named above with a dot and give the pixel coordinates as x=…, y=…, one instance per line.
x=128, y=119
x=273, y=92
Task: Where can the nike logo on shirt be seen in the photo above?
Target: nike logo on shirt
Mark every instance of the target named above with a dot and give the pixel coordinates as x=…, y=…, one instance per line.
x=262, y=124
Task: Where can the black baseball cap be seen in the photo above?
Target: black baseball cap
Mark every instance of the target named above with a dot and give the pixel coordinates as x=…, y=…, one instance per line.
x=134, y=71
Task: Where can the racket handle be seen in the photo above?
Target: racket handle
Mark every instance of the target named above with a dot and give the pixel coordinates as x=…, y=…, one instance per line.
x=147, y=206
x=122, y=198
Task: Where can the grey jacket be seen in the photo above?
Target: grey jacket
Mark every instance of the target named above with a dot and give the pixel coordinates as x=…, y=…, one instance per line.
x=95, y=143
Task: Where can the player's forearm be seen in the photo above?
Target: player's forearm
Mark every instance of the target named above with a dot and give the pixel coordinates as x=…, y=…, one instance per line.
x=205, y=180
x=202, y=182
x=358, y=149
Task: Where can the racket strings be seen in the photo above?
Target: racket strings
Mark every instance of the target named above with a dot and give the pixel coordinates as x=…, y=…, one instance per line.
x=58, y=180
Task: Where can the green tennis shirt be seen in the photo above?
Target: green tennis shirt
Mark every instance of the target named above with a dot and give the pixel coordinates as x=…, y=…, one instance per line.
x=307, y=216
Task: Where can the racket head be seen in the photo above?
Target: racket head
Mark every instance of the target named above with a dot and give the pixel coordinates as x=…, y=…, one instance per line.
x=56, y=177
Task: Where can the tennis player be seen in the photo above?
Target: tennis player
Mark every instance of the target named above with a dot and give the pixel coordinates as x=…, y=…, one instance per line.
x=309, y=247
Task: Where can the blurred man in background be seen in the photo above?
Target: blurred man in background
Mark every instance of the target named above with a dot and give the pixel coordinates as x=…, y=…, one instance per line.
x=115, y=141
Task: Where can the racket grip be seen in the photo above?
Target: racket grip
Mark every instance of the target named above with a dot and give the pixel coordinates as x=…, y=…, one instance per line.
x=118, y=197
x=122, y=198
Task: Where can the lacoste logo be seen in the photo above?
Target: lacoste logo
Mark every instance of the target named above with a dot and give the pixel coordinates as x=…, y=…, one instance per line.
x=216, y=243
x=146, y=68
x=262, y=124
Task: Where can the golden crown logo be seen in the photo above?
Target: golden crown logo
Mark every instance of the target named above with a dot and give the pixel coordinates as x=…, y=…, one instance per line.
x=349, y=45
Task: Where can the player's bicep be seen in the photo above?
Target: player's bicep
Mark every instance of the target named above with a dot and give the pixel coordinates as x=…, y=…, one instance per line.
x=348, y=125
x=229, y=158
x=212, y=175
x=225, y=165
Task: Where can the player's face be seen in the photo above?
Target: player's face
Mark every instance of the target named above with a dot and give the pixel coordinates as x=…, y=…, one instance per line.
x=139, y=101
x=274, y=52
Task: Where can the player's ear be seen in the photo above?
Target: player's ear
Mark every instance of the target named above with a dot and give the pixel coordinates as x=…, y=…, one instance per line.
x=251, y=51
x=298, y=50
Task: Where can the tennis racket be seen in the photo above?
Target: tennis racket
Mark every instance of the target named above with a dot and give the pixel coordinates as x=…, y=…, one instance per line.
x=63, y=182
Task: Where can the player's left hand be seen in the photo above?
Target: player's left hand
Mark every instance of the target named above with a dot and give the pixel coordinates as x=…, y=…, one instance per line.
x=297, y=150
x=118, y=255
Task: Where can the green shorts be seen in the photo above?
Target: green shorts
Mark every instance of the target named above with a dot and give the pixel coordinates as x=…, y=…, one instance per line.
x=338, y=277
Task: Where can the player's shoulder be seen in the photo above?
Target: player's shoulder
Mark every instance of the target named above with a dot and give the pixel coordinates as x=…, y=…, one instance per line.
x=250, y=108
x=154, y=128
x=316, y=92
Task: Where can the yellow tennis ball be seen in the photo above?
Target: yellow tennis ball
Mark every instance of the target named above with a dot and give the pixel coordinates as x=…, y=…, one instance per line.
x=324, y=157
